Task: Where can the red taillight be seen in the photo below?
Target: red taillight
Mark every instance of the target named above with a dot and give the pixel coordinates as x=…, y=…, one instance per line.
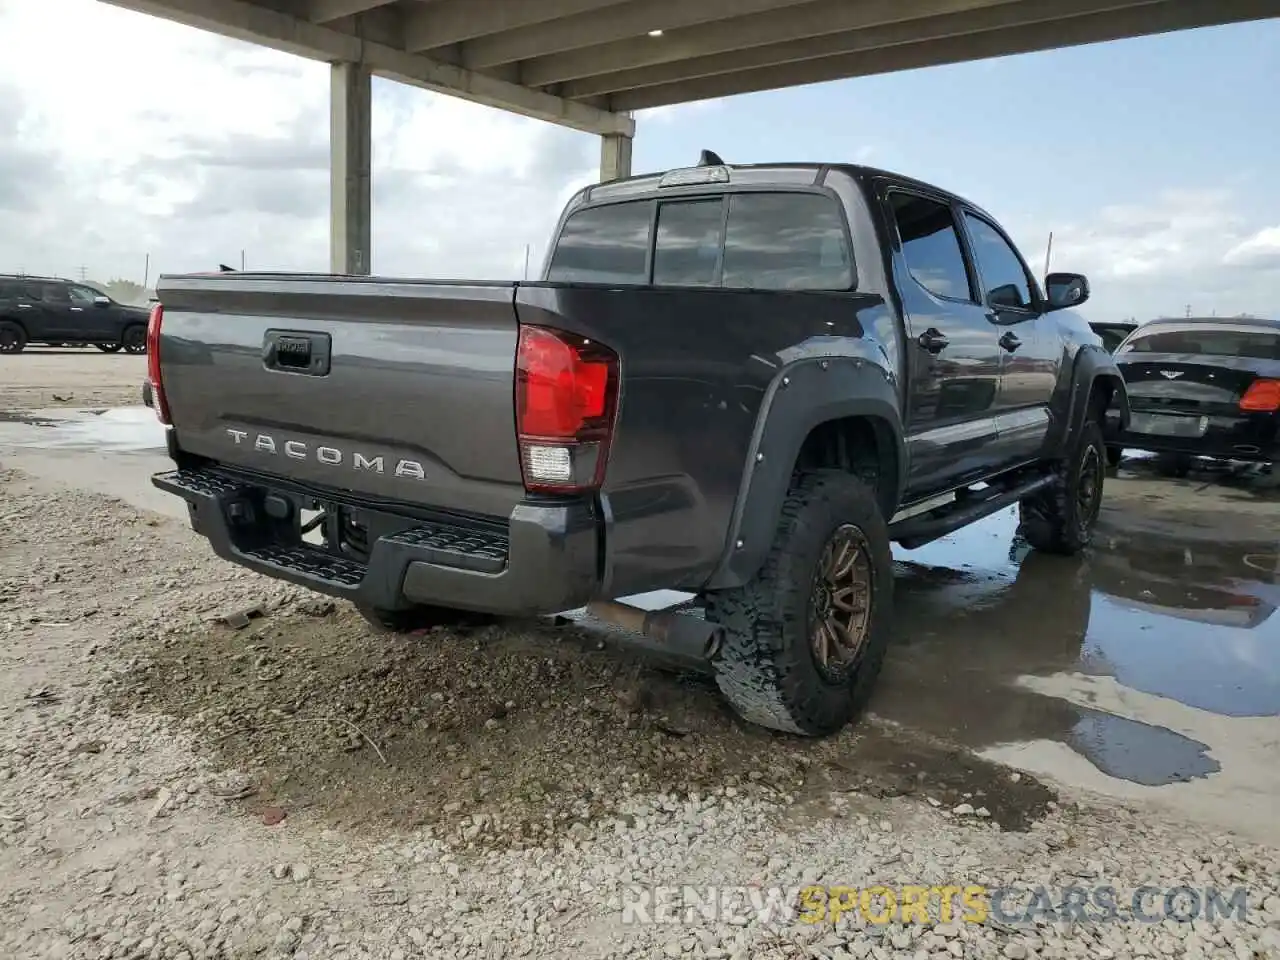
x=1262, y=396
x=566, y=399
x=153, y=363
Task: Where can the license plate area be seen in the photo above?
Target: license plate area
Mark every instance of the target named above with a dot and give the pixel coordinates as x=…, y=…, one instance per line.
x=1168, y=425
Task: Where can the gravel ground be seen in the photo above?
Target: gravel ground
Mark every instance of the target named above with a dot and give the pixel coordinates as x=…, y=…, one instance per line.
x=171, y=786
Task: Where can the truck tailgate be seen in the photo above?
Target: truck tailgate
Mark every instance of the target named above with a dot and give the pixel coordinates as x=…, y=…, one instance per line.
x=395, y=390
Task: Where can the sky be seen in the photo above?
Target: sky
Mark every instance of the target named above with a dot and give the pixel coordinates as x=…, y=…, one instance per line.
x=123, y=136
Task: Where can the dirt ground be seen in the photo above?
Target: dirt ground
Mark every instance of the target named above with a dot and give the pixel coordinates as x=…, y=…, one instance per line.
x=172, y=786
x=46, y=378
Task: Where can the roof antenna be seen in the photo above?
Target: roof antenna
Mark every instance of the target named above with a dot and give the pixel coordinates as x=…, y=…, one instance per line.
x=710, y=158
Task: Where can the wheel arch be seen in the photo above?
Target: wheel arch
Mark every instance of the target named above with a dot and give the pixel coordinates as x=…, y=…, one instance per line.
x=837, y=412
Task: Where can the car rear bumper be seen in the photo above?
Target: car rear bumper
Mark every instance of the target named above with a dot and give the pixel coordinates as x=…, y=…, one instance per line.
x=1250, y=436
x=545, y=561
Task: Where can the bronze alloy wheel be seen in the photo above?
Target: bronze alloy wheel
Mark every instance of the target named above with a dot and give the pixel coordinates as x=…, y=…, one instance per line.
x=1089, y=489
x=840, y=606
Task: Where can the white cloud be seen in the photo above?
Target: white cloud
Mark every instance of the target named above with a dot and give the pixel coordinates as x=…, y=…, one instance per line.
x=1160, y=255
x=192, y=147
x=1262, y=249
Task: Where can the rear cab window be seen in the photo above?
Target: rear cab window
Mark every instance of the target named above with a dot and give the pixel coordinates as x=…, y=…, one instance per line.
x=1217, y=341
x=766, y=240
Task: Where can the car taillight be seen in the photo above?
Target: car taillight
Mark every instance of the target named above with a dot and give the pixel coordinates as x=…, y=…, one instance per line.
x=566, y=402
x=1262, y=395
x=153, y=363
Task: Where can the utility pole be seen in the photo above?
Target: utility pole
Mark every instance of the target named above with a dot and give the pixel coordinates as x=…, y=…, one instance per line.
x=146, y=272
x=1048, y=253
x=84, y=273
x=526, y=261
x=242, y=261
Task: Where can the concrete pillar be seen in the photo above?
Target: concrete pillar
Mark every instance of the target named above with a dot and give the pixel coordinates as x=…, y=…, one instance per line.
x=350, y=163
x=615, y=157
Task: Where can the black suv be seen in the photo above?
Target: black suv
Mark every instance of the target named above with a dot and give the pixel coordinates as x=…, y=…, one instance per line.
x=53, y=311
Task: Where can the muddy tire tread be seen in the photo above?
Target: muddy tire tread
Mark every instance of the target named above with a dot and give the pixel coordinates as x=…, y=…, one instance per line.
x=1046, y=518
x=765, y=668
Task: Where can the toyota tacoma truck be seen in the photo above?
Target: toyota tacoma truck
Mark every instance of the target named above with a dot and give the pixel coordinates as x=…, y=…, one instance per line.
x=740, y=382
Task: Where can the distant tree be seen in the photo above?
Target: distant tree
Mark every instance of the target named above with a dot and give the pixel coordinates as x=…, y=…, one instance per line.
x=126, y=291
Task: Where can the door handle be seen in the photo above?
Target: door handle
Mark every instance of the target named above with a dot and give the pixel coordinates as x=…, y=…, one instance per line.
x=932, y=340
x=24, y=306
x=77, y=309
x=1010, y=342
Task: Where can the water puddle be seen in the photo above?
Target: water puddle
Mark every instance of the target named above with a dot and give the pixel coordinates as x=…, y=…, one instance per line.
x=119, y=430
x=1164, y=613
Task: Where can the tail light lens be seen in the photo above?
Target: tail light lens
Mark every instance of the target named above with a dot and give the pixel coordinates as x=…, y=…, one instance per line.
x=566, y=404
x=153, y=363
x=1262, y=396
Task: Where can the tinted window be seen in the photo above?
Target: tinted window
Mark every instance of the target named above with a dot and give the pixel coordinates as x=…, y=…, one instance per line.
x=1112, y=337
x=54, y=293
x=931, y=246
x=8, y=289
x=603, y=245
x=1215, y=341
x=786, y=241
x=83, y=295
x=687, y=249
x=1002, y=272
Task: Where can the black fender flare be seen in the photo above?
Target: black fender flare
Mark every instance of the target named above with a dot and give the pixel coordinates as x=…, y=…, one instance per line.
x=804, y=395
x=1091, y=365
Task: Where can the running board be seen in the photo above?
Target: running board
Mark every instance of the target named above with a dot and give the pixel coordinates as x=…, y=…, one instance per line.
x=968, y=507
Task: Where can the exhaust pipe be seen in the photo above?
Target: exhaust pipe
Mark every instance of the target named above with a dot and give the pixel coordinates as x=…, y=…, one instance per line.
x=666, y=631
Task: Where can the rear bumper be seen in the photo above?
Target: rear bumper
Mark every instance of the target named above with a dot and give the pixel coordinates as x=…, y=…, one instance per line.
x=545, y=561
x=1251, y=437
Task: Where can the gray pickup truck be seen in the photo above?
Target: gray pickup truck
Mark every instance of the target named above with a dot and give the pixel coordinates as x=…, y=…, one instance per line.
x=742, y=382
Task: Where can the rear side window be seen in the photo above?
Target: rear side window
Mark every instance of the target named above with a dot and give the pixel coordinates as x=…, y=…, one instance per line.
x=687, y=250
x=931, y=245
x=1213, y=341
x=604, y=245
x=786, y=241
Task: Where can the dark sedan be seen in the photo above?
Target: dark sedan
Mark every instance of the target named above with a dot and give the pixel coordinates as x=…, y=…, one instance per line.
x=1203, y=387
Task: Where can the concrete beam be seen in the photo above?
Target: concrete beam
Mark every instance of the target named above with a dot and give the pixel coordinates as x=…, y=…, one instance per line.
x=323, y=11
x=615, y=157
x=350, y=169
x=270, y=28
x=631, y=21
x=1162, y=17
x=994, y=17
x=452, y=21
x=814, y=19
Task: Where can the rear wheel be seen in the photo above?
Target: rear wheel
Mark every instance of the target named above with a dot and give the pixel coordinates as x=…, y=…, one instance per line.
x=414, y=619
x=1061, y=517
x=108, y=347
x=134, y=339
x=805, y=639
x=13, y=339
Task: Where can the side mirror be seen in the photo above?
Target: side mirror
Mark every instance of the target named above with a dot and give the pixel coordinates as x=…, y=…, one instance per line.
x=1066, y=290
x=101, y=301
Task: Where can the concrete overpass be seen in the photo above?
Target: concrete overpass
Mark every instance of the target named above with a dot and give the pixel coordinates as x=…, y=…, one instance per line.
x=587, y=64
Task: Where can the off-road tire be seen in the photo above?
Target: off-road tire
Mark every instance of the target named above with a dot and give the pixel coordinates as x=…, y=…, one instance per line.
x=1053, y=520
x=108, y=347
x=415, y=619
x=767, y=668
x=13, y=339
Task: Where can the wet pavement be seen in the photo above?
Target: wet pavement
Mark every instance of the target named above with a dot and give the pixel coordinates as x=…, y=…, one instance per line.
x=1170, y=606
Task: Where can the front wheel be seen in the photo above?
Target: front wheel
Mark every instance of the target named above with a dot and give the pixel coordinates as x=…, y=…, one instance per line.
x=108, y=347
x=134, y=339
x=13, y=339
x=805, y=638
x=1060, y=518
